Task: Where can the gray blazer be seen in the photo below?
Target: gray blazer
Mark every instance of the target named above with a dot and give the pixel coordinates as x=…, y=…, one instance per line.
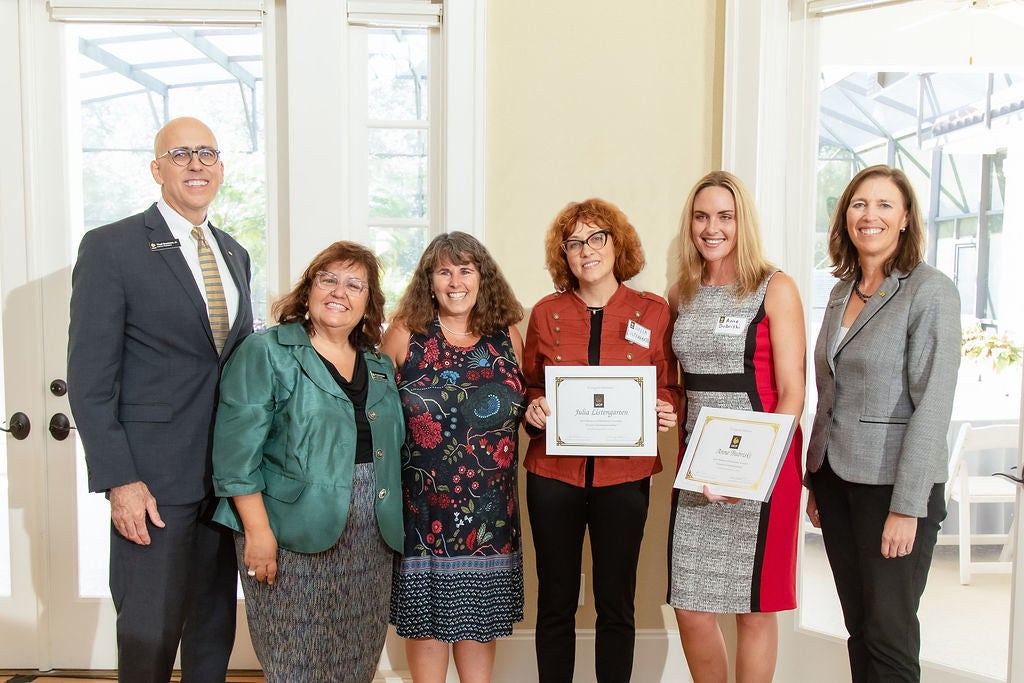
x=886, y=394
x=142, y=366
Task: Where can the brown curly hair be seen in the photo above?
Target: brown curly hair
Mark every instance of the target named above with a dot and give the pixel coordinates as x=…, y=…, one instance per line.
x=909, y=249
x=496, y=306
x=629, y=254
x=293, y=306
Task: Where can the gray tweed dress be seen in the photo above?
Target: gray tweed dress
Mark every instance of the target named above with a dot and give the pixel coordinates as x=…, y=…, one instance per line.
x=732, y=558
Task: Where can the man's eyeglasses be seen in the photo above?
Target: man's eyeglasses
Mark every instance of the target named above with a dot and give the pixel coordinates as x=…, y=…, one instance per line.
x=596, y=241
x=329, y=282
x=182, y=156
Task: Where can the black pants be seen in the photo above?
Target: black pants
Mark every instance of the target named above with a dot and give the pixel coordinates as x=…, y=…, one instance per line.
x=181, y=587
x=879, y=596
x=559, y=516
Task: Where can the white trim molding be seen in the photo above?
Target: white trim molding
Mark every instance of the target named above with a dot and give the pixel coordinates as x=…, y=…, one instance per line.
x=236, y=12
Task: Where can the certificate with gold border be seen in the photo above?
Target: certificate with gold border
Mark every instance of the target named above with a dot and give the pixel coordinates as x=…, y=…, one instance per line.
x=735, y=453
x=602, y=410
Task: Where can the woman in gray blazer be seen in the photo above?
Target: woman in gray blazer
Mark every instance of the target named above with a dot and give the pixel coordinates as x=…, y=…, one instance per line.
x=886, y=363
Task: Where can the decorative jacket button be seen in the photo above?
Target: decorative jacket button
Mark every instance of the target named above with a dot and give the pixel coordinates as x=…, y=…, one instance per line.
x=379, y=453
x=558, y=342
x=629, y=356
x=372, y=415
x=558, y=328
x=555, y=316
x=636, y=313
x=558, y=359
x=382, y=494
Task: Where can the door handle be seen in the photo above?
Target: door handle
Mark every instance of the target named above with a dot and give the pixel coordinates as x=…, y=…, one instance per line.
x=60, y=426
x=19, y=426
x=1019, y=481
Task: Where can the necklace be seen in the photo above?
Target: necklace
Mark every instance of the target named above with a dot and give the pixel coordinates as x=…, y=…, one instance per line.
x=861, y=295
x=448, y=329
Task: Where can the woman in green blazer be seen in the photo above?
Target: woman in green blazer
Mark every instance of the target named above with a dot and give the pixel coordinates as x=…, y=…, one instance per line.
x=306, y=457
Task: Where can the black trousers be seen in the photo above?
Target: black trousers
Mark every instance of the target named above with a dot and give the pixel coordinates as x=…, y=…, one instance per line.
x=180, y=588
x=560, y=515
x=879, y=596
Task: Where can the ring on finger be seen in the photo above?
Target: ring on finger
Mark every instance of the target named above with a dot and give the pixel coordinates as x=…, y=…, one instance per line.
x=251, y=572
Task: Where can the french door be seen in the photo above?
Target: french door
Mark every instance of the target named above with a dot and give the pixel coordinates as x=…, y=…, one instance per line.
x=73, y=161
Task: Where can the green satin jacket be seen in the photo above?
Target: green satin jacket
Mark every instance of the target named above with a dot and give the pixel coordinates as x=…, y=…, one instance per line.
x=286, y=429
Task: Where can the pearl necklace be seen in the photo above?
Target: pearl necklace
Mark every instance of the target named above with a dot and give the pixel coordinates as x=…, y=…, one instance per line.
x=448, y=329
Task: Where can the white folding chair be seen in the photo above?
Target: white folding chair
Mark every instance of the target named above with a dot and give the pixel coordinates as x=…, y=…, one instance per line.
x=967, y=489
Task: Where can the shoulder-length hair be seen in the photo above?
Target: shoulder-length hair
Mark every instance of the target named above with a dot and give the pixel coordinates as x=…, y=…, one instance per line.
x=751, y=265
x=496, y=305
x=910, y=247
x=293, y=306
x=629, y=254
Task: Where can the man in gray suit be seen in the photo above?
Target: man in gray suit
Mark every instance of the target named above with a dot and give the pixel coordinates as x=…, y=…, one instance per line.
x=158, y=302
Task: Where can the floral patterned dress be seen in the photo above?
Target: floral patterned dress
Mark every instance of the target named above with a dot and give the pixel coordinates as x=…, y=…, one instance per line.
x=461, y=575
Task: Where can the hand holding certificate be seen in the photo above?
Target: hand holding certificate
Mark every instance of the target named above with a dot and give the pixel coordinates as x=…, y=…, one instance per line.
x=736, y=453
x=602, y=410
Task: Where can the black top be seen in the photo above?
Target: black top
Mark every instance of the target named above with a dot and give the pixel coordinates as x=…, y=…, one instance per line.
x=356, y=392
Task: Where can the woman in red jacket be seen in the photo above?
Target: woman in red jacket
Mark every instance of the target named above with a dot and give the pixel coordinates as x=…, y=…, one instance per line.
x=591, y=249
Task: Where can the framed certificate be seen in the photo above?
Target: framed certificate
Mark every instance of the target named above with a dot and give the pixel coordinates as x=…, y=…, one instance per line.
x=601, y=410
x=735, y=453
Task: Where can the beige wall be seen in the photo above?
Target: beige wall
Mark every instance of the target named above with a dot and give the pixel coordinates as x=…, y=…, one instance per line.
x=615, y=100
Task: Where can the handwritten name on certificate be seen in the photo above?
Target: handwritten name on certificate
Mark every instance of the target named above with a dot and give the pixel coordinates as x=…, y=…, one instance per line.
x=601, y=410
x=735, y=453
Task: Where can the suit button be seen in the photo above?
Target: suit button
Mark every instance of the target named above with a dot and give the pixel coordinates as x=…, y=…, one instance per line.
x=382, y=494
x=558, y=342
x=379, y=453
x=629, y=356
x=558, y=359
x=558, y=328
x=372, y=415
x=555, y=316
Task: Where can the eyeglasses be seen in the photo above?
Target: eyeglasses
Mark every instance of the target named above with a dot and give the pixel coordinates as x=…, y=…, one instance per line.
x=329, y=282
x=596, y=241
x=182, y=156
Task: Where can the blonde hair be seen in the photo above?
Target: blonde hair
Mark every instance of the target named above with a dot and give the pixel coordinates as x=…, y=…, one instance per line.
x=751, y=266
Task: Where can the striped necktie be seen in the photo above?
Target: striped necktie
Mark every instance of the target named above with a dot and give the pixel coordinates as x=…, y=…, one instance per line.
x=216, y=304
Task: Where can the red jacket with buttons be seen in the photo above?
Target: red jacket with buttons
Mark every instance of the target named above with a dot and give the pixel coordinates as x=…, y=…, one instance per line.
x=559, y=334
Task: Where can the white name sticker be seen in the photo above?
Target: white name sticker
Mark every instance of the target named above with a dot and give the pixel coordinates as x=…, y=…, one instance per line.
x=638, y=334
x=731, y=325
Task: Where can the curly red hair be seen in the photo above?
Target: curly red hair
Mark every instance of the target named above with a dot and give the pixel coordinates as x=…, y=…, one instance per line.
x=629, y=254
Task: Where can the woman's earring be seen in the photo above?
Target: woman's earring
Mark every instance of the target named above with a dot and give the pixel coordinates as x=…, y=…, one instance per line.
x=306, y=316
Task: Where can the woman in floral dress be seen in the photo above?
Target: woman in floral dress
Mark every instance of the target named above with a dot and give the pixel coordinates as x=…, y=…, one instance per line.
x=457, y=353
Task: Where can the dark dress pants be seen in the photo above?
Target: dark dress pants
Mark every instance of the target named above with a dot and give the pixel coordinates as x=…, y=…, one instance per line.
x=560, y=515
x=181, y=587
x=879, y=596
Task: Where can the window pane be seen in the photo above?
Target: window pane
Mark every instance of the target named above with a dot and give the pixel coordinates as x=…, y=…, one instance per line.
x=397, y=166
x=398, y=249
x=398, y=75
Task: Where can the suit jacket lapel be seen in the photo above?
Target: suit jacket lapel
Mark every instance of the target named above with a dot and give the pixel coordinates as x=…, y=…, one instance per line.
x=834, y=319
x=883, y=296
x=308, y=359
x=159, y=232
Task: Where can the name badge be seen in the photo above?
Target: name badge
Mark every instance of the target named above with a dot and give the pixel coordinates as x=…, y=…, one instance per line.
x=731, y=325
x=379, y=376
x=161, y=246
x=638, y=334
